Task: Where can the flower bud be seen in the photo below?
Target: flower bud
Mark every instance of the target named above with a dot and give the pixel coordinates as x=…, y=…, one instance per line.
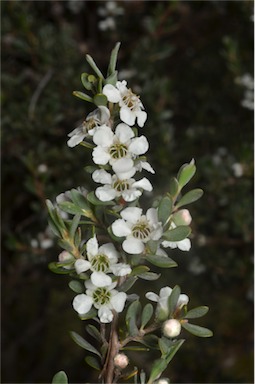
x=171, y=328
x=163, y=381
x=121, y=360
x=65, y=257
x=182, y=217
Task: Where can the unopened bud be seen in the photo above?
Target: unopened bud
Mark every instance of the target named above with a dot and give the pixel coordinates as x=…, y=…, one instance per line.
x=171, y=328
x=182, y=217
x=121, y=360
x=65, y=257
x=163, y=381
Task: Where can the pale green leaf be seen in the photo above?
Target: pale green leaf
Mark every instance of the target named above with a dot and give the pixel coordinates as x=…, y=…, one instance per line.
x=60, y=378
x=146, y=314
x=197, y=330
x=177, y=234
x=161, y=261
x=197, y=312
x=83, y=343
x=190, y=197
x=83, y=96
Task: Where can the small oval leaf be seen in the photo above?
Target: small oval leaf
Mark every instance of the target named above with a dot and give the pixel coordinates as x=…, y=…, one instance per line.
x=197, y=330
x=190, y=197
x=93, y=362
x=196, y=312
x=83, y=343
x=177, y=234
x=161, y=261
x=60, y=378
x=146, y=314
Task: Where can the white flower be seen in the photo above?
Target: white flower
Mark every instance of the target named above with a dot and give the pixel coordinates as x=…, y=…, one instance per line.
x=94, y=120
x=171, y=328
x=162, y=299
x=137, y=228
x=130, y=104
x=118, y=149
x=101, y=260
x=114, y=187
x=183, y=245
x=105, y=299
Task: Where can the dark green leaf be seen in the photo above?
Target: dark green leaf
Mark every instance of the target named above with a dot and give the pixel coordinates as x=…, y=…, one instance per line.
x=161, y=261
x=173, y=299
x=60, y=378
x=83, y=343
x=177, y=234
x=79, y=199
x=139, y=270
x=146, y=314
x=173, y=349
x=197, y=330
x=66, y=245
x=76, y=286
x=165, y=209
x=54, y=267
x=158, y=367
x=100, y=99
x=93, y=362
x=83, y=96
x=131, y=317
x=74, y=225
x=150, y=341
x=127, y=284
x=190, y=197
x=153, y=246
x=94, y=332
x=89, y=315
x=196, y=312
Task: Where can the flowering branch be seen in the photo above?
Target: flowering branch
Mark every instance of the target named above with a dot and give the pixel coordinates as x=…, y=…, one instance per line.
x=109, y=240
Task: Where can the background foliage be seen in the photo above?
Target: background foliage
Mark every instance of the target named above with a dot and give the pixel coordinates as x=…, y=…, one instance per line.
x=187, y=59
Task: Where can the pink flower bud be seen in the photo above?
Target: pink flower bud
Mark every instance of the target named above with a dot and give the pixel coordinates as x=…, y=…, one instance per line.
x=171, y=328
x=182, y=217
x=121, y=360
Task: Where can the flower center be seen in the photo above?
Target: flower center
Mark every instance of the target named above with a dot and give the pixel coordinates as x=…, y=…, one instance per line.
x=100, y=263
x=118, y=150
x=121, y=185
x=101, y=296
x=141, y=230
x=130, y=99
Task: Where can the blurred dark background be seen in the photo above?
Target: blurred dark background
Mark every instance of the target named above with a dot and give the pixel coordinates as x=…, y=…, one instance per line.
x=192, y=63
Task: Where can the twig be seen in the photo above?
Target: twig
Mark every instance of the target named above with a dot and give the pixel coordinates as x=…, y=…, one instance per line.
x=37, y=93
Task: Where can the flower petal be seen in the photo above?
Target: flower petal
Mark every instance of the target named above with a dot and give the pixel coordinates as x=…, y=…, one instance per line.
x=139, y=145
x=100, y=279
x=165, y=292
x=112, y=93
x=75, y=140
x=100, y=155
x=120, y=228
x=105, y=193
x=152, y=296
x=144, y=184
x=82, y=303
x=110, y=251
x=92, y=247
x=152, y=216
x=118, y=301
x=127, y=116
x=183, y=300
x=103, y=136
x=105, y=314
x=101, y=176
x=131, y=194
x=133, y=246
x=184, y=245
x=82, y=265
x=169, y=244
x=131, y=214
x=141, y=118
x=124, y=132
x=121, y=269
x=122, y=165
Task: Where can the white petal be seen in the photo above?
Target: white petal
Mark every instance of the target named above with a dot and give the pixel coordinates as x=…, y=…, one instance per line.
x=82, y=303
x=104, y=114
x=145, y=165
x=169, y=244
x=139, y=145
x=183, y=300
x=124, y=132
x=152, y=296
x=105, y=193
x=121, y=269
x=165, y=292
x=184, y=245
x=118, y=301
x=127, y=116
x=144, y=184
x=101, y=176
x=110, y=251
x=127, y=174
x=112, y=93
x=103, y=136
x=152, y=216
x=120, y=228
x=75, y=140
x=141, y=118
x=92, y=247
x=122, y=165
x=131, y=194
x=131, y=214
x=100, y=279
x=100, y=155
x=157, y=232
x=105, y=314
x=82, y=265
x=133, y=246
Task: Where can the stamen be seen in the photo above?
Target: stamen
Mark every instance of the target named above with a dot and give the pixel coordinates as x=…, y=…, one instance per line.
x=101, y=296
x=141, y=231
x=118, y=151
x=100, y=263
x=121, y=185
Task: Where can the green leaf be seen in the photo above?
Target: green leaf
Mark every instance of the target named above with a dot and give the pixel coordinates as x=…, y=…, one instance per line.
x=79, y=199
x=83, y=343
x=65, y=245
x=54, y=267
x=113, y=59
x=131, y=316
x=197, y=312
x=153, y=246
x=165, y=209
x=112, y=79
x=150, y=341
x=76, y=286
x=95, y=201
x=83, y=96
x=190, y=197
x=74, y=225
x=186, y=172
x=89, y=315
x=173, y=349
x=158, y=367
x=149, y=276
x=94, y=332
x=161, y=261
x=197, y=330
x=177, y=234
x=69, y=207
x=174, y=187
x=90, y=168
x=100, y=99
x=139, y=270
x=54, y=227
x=146, y=314
x=60, y=378
x=134, y=348
x=93, y=65
x=127, y=284
x=173, y=299
x=88, y=81
x=164, y=345
x=93, y=362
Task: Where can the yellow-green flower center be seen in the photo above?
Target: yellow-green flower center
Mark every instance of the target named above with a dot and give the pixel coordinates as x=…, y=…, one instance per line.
x=130, y=99
x=141, y=230
x=101, y=296
x=121, y=185
x=100, y=263
x=118, y=150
